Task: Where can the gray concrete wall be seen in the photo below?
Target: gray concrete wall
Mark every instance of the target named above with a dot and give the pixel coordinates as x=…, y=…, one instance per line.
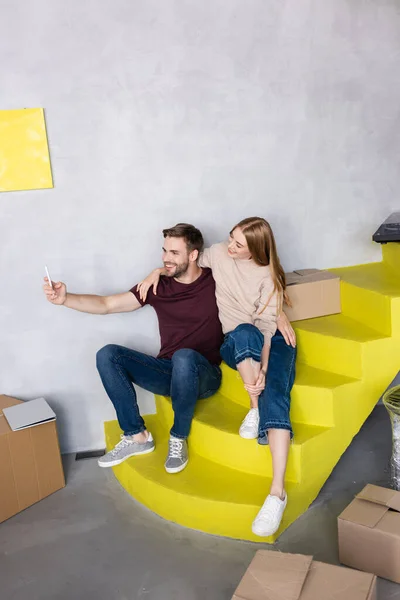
x=205, y=111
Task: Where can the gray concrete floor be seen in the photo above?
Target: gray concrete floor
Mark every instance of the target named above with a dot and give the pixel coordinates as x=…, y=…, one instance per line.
x=91, y=541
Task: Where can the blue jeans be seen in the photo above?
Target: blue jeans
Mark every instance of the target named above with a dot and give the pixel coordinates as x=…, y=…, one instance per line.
x=246, y=341
x=186, y=377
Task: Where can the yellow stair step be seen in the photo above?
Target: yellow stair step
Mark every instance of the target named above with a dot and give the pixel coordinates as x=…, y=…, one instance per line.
x=205, y=496
x=215, y=436
x=375, y=277
x=371, y=294
x=316, y=393
x=335, y=343
x=312, y=398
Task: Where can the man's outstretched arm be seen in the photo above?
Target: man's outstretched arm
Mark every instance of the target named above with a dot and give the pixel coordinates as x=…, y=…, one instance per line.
x=88, y=303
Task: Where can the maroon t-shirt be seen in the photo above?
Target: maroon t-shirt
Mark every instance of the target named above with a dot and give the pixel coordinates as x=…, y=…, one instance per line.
x=187, y=316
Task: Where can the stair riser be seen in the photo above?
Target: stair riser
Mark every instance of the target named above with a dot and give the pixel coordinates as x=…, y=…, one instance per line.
x=391, y=256
x=352, y=409
x=367, y=307
x=381, y=362
x=312, y=405
x=329, y=353
x=395, y=306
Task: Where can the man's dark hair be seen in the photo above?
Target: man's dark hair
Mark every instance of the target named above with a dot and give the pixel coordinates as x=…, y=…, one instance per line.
x=191, y=235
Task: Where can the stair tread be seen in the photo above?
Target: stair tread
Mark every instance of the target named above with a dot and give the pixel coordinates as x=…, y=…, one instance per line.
x=226, y=415
x=202, y=477
x=340, y=326
x=312, y=377
x=376, y=277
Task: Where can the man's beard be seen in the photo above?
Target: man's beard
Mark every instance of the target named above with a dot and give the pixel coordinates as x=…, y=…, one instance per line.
x=179, y=270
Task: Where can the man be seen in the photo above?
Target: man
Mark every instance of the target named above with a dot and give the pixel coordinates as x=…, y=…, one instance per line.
x=187, y=367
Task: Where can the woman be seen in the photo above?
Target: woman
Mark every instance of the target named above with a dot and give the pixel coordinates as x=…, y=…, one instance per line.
x=250, y=291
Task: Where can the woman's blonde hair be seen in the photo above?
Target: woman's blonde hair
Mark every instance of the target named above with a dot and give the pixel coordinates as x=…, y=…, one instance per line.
x=262, y=247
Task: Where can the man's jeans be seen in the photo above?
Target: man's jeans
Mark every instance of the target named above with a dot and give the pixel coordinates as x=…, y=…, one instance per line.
x=246, y=341
x=186, y=377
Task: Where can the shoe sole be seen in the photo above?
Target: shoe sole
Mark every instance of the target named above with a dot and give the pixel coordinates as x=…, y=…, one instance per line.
x=176, y=469
x=246, y=436
x=114, y=463
x=263, y=533
x=268, y=533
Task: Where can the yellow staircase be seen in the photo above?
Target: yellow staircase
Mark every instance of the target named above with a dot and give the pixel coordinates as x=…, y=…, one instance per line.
x=344, y=364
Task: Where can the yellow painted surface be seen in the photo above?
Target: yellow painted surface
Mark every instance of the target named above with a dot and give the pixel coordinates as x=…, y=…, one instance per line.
x=345, y=363
x=24, y=153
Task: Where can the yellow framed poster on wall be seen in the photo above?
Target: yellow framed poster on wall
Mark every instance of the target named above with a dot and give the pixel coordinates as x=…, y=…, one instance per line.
x=24, y=152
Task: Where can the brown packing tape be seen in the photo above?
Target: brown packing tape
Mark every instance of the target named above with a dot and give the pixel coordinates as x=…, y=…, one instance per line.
x=274, y=576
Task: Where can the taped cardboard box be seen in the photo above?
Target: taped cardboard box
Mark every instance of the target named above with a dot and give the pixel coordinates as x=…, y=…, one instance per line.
x=313, y=293
x=30, y=461
x=280, y=576
x=369, y=532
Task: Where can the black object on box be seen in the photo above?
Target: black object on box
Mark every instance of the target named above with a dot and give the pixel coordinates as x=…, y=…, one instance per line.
x=389, y=231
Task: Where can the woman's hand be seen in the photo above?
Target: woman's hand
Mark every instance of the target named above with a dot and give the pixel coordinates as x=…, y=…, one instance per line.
x=151, y=280
x=258, y=387
x=286, y=330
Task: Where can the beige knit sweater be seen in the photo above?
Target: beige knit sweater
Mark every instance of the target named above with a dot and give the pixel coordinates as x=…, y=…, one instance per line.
x=242, y=290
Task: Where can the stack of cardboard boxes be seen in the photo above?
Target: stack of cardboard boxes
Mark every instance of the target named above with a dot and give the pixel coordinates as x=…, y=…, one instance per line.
x=369, y=541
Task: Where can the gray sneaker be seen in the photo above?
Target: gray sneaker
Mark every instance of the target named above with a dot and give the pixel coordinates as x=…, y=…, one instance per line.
x=177, y=458
x=125, y=449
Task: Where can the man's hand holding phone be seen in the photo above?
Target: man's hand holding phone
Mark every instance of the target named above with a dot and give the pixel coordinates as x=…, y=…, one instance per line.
x=56, y=293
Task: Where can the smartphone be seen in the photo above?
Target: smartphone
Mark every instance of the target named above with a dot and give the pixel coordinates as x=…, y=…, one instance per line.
x=48, y=277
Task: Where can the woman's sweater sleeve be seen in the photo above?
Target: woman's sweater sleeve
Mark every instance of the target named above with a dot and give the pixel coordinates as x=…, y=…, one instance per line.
x=205, y=258
x=266, y=310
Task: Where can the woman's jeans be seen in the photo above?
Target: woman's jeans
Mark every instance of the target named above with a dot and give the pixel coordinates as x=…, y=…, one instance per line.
x=246, y=341
x=187, y=377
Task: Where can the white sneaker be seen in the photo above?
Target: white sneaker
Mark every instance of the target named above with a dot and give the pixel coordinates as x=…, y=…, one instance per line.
x=249, y=428
x=270, y=516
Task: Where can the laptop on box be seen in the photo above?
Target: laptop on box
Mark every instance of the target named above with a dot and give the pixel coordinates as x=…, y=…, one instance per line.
x=29, y=414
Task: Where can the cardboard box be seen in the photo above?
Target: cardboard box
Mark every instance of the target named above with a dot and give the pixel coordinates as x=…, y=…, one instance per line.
x=30, y=461
x=279, y=576
x=313, y=293
x=369, y=532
